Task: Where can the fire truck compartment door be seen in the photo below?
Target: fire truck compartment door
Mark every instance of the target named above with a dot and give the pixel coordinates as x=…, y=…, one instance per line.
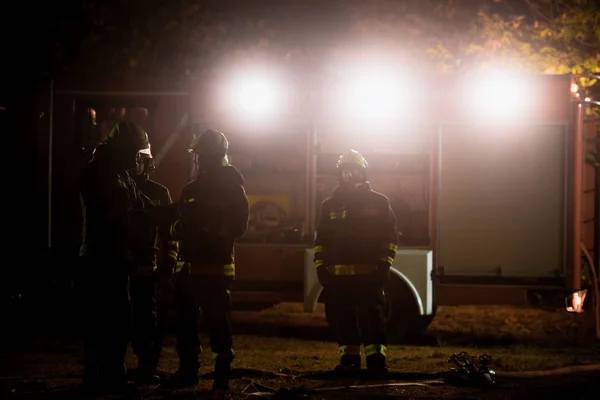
x=502, y=201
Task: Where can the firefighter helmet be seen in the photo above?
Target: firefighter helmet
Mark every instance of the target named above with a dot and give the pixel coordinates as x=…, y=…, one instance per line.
x=128, y=137
x=352, y=157
x=210, y=147
x=352, y=168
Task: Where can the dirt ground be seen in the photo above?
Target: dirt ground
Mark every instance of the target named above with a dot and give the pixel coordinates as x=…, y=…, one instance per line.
x=283, y=353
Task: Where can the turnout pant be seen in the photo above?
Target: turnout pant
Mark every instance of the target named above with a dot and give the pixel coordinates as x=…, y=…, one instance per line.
x=354, y=307
x=211, y=295
x=106, y=316
x=148, y=329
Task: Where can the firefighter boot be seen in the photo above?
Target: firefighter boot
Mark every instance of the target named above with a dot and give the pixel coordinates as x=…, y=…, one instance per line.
x=113, y=379
x=187, y=374
x=349, y=364
x=146, y=374
x=222, y=371
x=376, y=365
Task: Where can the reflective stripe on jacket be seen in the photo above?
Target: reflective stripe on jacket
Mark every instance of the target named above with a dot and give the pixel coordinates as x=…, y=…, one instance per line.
x=356, y=232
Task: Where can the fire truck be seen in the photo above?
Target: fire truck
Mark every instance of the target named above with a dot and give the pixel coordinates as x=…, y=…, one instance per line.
x=486, y=175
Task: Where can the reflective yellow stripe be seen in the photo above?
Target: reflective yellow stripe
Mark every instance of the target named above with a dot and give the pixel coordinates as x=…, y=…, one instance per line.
x=376, y=349
x=172, y=254
x=392, y=247
x=319, y=249
x=351, y=269
x=350, y=350
x=190, y=200
x=334, y=215
x=318, y=263
x=389, y=260
x=229, y=270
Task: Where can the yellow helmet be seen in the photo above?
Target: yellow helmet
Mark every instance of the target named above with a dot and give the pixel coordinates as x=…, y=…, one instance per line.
x=352, y=157
x=352, y=169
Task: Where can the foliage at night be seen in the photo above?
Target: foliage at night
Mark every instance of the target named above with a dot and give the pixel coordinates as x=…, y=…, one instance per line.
x=192, y=38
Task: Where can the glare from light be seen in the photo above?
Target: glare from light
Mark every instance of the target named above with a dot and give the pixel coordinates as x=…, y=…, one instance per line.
x=497, y=97
x=371, y=95
x=575, y=301
x=256, y=96
x=574, y=87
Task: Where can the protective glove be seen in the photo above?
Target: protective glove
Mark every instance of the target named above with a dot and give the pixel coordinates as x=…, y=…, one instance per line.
x=324, y=276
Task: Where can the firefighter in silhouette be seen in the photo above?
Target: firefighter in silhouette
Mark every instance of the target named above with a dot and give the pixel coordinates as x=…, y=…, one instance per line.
x=112, y=207
x=213, y=214
x=355, y=246
x=155, y=262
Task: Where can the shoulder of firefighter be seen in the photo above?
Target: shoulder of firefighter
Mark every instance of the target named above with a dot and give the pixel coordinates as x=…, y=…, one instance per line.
x=111, y=204
x=213, y=212
x=355, y=235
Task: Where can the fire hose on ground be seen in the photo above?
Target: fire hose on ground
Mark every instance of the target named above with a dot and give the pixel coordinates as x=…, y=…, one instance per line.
x=470, y=371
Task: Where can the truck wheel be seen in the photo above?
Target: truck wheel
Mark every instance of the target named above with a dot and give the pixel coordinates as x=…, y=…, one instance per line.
x=403, y=318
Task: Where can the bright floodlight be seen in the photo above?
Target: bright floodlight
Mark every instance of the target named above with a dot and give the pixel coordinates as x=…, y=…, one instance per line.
x=497, y=96
x=371, y=95
x=256, y=95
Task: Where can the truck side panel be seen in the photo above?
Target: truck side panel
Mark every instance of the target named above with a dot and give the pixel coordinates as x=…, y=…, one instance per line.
x=502, y=201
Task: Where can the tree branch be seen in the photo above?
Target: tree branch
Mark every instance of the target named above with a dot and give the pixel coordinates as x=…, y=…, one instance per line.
x=587, y=44
x=539, y=13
